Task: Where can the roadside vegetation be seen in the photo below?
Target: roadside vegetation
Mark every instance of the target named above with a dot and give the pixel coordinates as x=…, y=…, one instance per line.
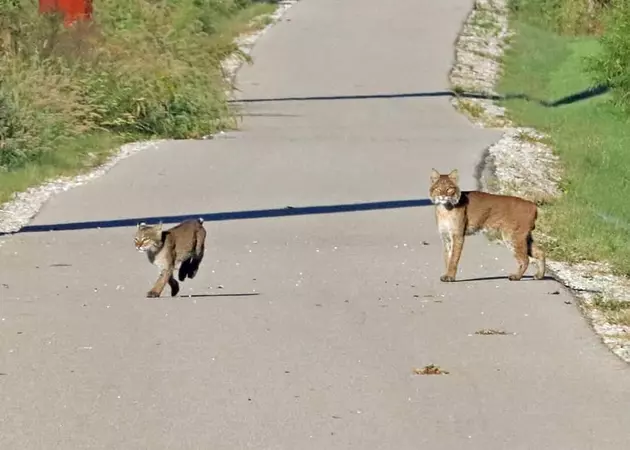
x=140, y=69
x=561, y=48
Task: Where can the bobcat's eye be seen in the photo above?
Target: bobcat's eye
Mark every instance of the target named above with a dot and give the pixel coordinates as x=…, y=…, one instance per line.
x=451, y=192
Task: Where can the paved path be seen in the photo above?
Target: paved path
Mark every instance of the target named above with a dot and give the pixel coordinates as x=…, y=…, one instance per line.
x=311, y=341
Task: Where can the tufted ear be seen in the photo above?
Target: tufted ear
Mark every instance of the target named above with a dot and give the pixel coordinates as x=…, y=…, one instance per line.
x=158, y=227
x=454, y=176
x=435, y=175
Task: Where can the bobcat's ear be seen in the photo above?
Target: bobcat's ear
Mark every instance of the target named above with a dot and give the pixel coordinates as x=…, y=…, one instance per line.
x=141, y=224
x=158, y=227
x=454, y=176
x=435, y=175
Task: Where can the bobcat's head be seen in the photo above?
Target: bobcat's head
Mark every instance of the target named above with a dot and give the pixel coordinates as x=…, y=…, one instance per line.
x=444, y=189
x=148, y=237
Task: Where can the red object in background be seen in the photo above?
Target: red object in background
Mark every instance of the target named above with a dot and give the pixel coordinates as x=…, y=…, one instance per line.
x=72, y=9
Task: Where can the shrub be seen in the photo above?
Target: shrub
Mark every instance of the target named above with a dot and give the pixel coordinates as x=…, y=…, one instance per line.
x=612, y=65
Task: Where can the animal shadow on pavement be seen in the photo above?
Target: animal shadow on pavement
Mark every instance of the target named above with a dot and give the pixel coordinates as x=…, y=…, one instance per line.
x=504, y=277
x=246, y=294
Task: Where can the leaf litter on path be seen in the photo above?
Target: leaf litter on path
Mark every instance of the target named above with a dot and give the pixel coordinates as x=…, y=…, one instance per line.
x=492, y=331
x=431, y=369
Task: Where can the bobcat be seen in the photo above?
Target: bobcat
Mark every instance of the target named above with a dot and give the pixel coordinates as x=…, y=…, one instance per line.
x=461, y=214
x=181, y=245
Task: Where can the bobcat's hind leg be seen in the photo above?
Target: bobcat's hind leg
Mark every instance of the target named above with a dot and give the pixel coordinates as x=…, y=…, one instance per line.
x=183, y=269
x=200, y=249
x=519, y=246
x=539, y=255
x=172, y=282
x=193, y=267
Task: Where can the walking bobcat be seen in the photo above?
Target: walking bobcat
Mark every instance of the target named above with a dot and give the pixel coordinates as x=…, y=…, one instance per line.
x=461, y=214
x=182, y=245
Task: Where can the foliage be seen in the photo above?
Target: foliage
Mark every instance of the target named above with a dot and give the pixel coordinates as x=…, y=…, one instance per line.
x=611, y=65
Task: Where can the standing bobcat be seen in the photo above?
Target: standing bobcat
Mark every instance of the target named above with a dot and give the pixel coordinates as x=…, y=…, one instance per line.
x=181, y=245
x=460, y=214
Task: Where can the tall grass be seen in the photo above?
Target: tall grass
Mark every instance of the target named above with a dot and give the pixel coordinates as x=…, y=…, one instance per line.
x=141, y=68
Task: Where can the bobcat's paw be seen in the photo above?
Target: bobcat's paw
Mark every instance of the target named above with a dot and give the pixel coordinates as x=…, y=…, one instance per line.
x=447, y=278
x=153, y=294
x=514, y=277
x=539, y=276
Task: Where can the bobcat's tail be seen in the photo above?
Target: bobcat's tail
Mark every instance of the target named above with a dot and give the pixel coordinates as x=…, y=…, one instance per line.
x=195, y=260
x=535, y=218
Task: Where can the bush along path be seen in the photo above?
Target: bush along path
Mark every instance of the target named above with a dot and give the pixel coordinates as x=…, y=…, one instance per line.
x=530, y=161
x=138, y=73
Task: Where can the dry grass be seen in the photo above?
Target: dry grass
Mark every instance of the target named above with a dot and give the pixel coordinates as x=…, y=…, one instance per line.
x=615, y=312
x=470, y=107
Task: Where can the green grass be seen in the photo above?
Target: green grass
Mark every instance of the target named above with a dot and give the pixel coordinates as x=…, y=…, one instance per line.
x=592, y=220
x=141, y=70
x=75, y=156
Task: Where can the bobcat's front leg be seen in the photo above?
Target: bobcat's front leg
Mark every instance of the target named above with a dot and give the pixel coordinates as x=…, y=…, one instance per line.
x=455, y=245
x=158, y=287
x=447, y=247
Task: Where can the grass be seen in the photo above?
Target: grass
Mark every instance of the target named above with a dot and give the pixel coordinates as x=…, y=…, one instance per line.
x=592, y=220
x=140, y=70
x=567, y=17
x=615, y=312
x=470, y=107
x=526, y=137
x=77, y=155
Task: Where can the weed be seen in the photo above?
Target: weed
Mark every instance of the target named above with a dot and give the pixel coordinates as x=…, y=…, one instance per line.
x=526, y=137
x=458, y=90
x=615, y=312
x=471, y=108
